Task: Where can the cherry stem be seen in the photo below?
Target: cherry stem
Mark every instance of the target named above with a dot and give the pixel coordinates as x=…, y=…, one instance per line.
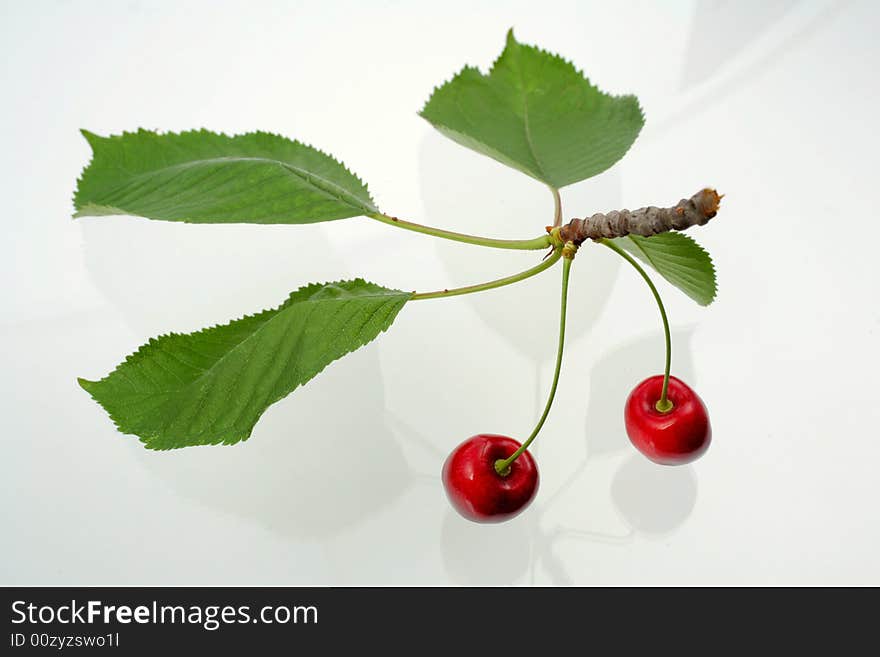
x=663, y=404
x=535, y=244
x=502, y=466
x=507, y=280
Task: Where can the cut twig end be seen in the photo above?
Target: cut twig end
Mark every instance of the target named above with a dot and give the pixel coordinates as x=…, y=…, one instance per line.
x=707, y=202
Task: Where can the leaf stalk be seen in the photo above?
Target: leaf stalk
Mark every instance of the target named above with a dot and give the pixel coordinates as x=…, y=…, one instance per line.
x=535, y=244
x=489, y=285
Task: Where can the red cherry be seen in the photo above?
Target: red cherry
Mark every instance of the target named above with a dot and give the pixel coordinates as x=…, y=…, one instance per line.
x=678, y=436
x=475, y=488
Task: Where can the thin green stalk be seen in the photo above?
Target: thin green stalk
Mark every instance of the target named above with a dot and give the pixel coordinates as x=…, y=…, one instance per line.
x=515, y=278
x=663, y=404
x=557, y=208
x=535, y=244
x=502, y=466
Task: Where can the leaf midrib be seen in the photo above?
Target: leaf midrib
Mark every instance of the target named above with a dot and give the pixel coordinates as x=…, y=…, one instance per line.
x=528, y=135
x=526, y=128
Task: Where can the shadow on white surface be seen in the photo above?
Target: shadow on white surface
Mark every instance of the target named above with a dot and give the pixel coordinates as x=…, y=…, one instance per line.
x=310, y=470
x=495, y=207
x=486, y=555
x=710, y=49
x=654, y=499
x=721, y=62
x=163, y=276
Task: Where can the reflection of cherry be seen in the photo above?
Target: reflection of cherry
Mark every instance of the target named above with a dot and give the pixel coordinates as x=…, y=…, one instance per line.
x=674, y=436
x=475, y=488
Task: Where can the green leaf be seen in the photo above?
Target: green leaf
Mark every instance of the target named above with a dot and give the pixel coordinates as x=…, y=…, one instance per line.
x=205, y=177
x=678, y=259
x=536, y=112
x=211, y=386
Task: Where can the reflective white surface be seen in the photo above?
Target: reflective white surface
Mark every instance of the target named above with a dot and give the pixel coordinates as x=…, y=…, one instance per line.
x=773, y=103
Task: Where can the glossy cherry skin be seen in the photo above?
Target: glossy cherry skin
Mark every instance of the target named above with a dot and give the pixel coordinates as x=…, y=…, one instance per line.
x=477, y=491
x=679, y=436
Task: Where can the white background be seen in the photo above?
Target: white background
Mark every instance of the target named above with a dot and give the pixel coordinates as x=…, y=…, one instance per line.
x=774, y=103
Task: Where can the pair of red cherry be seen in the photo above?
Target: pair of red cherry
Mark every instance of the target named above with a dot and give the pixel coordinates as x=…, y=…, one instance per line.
x=674, y=437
